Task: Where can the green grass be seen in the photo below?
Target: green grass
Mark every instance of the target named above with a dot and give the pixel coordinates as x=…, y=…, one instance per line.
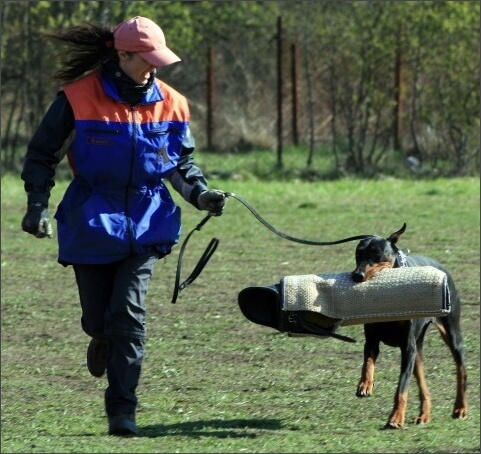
x=213, y=381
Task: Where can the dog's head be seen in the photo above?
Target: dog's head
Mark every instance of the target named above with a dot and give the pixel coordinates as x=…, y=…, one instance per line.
x=375, y=253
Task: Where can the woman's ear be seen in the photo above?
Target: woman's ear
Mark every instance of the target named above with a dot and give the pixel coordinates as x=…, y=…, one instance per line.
x=123, y=56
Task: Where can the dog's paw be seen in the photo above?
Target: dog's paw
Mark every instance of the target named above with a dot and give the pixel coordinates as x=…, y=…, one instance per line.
x=364, y=389
x=460, y=413
x=423, y=418
x=394, y=425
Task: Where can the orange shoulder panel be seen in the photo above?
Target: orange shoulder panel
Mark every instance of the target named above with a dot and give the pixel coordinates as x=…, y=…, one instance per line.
x=89, y=101
x=175, y=106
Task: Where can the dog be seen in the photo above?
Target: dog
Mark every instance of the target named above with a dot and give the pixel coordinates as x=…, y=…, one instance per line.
x=372, y=255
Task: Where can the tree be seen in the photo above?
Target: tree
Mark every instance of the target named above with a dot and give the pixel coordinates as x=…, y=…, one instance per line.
x=349, y=98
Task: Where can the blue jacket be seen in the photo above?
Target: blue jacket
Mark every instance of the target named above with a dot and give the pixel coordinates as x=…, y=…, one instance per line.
x=117, y=204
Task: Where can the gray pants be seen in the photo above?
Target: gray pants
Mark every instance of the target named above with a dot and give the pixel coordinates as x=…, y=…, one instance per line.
x=112, y=297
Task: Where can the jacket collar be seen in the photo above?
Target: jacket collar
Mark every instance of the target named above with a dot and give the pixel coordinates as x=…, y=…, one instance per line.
x=122, y=88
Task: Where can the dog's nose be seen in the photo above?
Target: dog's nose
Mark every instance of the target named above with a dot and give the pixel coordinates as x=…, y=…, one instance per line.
x=357, y=276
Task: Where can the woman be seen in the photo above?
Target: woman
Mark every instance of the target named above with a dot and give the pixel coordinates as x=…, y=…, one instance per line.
x=124, y=132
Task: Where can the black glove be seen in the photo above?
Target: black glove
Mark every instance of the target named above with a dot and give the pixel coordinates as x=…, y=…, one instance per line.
x=37, y=221
x=212, y=201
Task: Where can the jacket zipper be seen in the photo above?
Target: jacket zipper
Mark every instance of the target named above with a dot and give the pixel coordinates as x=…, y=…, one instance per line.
x=129, y=183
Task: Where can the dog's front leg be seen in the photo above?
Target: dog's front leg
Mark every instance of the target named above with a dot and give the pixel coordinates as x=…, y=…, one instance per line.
x=366, y=383
x=398, y=413
x=424, y=394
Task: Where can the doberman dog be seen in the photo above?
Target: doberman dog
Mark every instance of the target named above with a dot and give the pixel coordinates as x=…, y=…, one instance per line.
x=373, y=254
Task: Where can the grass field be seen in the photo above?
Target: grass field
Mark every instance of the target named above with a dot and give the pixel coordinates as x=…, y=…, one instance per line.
x=213, y=381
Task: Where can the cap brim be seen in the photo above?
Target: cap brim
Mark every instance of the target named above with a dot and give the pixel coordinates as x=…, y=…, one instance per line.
x=160, y=57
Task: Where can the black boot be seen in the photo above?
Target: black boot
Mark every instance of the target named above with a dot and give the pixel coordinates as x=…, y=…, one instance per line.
x=123, y=425
x=97, y=356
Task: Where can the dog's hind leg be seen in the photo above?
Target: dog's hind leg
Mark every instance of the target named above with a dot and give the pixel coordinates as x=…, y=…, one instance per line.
x=451, y=333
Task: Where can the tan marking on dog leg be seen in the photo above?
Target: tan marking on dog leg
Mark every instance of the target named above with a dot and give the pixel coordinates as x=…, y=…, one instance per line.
x=424, y=394
x=460, y=410
x=442, y=331
x=366, y=383
x=461, y=403
x=398, y=414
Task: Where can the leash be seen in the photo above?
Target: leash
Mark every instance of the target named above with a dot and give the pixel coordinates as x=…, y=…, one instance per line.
x=215, y=242
x=285, y=235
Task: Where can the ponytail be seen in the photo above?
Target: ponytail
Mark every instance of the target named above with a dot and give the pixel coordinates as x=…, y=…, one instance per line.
x=88, y=46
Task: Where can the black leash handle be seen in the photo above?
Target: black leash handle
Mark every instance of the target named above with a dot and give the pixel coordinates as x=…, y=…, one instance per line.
x=214, y=242
x=289, y=237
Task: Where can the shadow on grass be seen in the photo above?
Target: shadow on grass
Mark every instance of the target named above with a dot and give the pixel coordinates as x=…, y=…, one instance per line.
x=234, y=428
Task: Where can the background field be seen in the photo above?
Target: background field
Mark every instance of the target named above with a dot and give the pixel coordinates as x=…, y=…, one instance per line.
x=212, y=380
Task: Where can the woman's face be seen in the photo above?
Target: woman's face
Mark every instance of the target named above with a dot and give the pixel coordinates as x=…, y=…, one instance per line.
x=135, y=67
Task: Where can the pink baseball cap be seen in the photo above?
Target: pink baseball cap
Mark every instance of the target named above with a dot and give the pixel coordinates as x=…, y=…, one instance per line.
x=145, y=37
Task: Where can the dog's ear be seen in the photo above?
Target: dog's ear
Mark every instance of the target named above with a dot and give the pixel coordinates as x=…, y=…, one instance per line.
x=394, y=237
